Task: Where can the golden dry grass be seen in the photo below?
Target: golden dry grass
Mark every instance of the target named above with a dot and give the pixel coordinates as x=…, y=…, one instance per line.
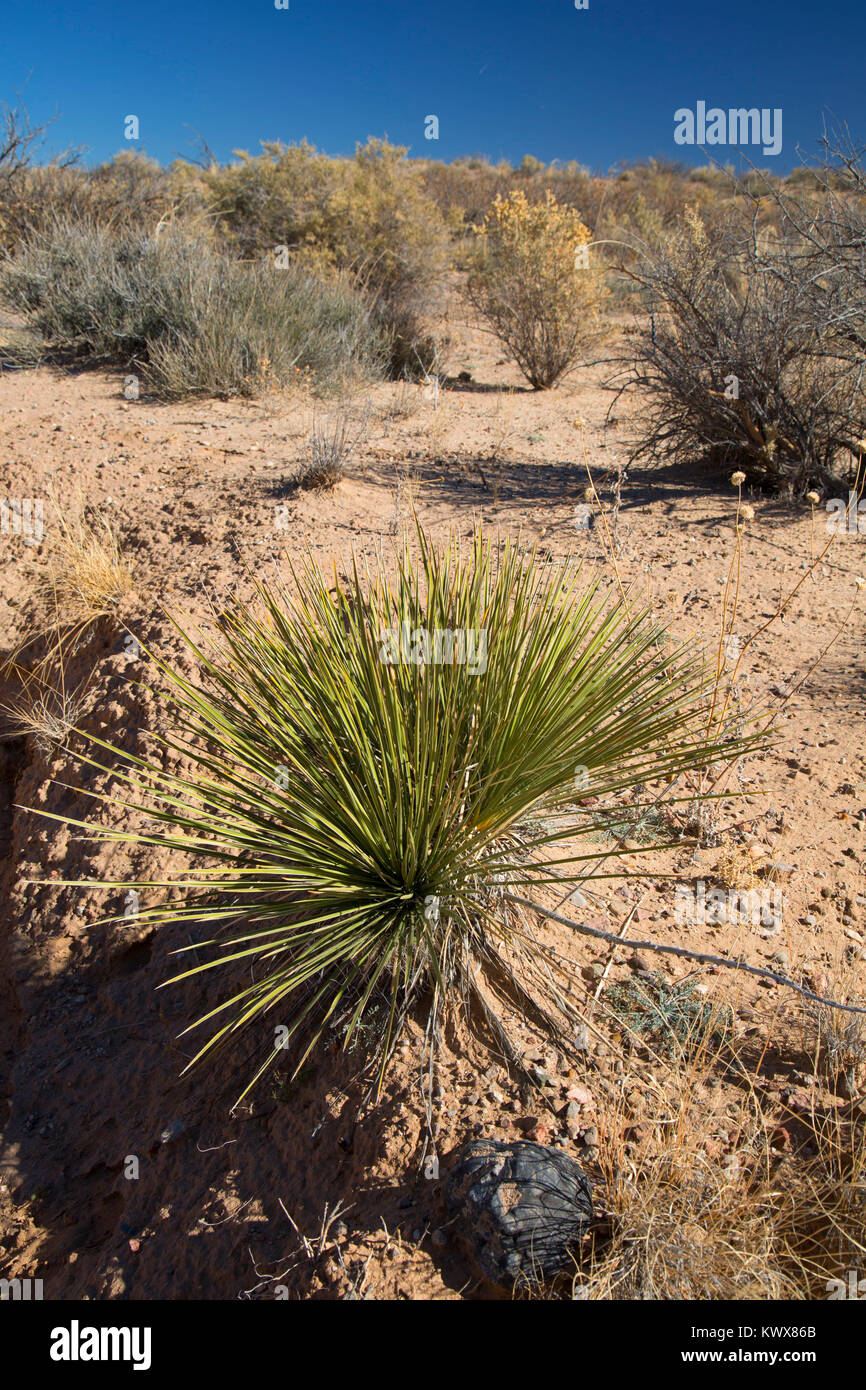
x=772, y=1209
x=89, y=573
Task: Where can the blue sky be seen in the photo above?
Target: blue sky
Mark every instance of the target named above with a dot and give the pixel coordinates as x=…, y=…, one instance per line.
x=504, y=77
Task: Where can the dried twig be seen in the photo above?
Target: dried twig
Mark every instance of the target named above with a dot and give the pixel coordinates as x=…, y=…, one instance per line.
x=692, y=955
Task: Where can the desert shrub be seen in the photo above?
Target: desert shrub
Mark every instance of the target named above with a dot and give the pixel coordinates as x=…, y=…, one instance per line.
x=824, y=248
x=252, y=327
x=277, y=198
x=534, y=283
x=368, y=216
x=192, y=319
x=129, y=192
x=378, y=767
x=97, y=297
x=842, y=1048
x=738, y=362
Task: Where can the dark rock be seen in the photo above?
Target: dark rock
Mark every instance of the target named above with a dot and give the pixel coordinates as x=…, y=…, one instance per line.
x=642, y=961
x=521, y=1208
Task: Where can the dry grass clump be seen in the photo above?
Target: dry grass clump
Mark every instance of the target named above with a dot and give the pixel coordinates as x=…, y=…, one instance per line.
x=739, y=866
x=47, y=709
x=695, y=1213
x=89, y=574
x=333, y=439
x=841, y=1045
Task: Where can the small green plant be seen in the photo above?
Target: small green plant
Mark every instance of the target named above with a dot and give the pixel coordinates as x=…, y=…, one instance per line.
x=381, y=765
x=668, y=1014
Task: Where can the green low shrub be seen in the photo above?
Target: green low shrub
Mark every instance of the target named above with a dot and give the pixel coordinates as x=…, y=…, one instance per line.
x=380, y=769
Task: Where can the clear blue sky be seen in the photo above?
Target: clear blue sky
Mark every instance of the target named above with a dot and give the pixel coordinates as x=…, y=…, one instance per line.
x=505, y=77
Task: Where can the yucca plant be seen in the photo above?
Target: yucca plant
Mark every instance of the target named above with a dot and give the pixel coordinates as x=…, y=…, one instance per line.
x=380, y=768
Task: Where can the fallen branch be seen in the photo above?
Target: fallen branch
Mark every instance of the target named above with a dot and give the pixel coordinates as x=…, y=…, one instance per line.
x=692, y=955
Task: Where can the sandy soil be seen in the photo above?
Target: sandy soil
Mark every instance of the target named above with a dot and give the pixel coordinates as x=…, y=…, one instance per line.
x=89, y=1078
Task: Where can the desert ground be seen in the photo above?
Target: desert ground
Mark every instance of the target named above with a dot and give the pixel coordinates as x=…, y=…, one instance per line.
x=304, y=1191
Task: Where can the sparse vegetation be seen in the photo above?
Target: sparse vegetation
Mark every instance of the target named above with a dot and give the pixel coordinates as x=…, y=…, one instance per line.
x=388, y=811
x=669, y=1014
x=89, y=573
x=189, y=318
x=333, y=438
x=744, y=360
x=692, y=1216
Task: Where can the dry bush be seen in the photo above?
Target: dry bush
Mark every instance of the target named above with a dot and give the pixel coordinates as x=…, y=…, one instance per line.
x=367, y=216
x=840, y=1042
x=823, y=217
x=737, y=363
x=129, y=191
x=191, y=319
x=688, y=1215
x=534, y=283
x=759, y=1225
x=20, y=139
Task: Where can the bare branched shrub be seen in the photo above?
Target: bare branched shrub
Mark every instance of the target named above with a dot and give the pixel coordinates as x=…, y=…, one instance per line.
x=20, y=139
x=755, y=354
x=823, y=217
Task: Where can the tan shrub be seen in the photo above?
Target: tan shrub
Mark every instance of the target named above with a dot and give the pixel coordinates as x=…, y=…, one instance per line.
x=534, y=282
